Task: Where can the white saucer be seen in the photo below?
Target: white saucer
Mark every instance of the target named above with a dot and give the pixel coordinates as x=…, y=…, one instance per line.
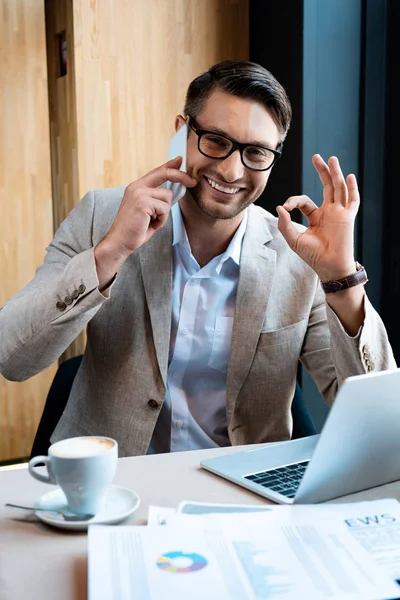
x=121, y=502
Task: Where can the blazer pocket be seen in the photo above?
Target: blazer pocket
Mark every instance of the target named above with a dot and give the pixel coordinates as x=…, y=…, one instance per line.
x=296, y=331
x=221, y=346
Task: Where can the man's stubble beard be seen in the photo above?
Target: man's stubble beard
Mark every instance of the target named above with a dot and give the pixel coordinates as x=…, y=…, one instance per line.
x=197, y=192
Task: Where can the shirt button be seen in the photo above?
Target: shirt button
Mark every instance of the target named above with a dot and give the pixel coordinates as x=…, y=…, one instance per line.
x=185, y=331
x=153, y=404
x=75, y=294
x=61, y=306
x=179, y=424
x=68, y=300
x=82, y=289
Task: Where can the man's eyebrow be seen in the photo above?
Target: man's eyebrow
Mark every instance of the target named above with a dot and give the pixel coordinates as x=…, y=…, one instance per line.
x=250, y=143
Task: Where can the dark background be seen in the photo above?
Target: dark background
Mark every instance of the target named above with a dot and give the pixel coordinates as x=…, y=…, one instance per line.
x=339, y=61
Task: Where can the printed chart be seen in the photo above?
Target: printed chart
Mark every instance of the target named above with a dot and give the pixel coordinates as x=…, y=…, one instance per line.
x=181, y=562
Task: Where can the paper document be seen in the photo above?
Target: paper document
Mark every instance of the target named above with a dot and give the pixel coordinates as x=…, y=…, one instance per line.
x=162, y=515
x=207, y=508
x=375, y=525
x=306, y=553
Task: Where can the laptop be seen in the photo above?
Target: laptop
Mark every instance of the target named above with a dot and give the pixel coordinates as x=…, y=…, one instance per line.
x=358, y=448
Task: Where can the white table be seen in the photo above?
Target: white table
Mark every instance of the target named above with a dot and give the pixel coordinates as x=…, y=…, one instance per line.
x=40, y=562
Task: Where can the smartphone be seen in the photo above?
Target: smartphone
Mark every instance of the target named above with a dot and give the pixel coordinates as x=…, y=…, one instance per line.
x=177, y=147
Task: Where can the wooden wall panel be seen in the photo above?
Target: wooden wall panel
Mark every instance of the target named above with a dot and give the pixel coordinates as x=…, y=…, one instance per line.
x=26, y=223
x=133, y=63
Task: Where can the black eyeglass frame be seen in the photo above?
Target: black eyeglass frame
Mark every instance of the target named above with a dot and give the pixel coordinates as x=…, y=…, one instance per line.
x=235, y=145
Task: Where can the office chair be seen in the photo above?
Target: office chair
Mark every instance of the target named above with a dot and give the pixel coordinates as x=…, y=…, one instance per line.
x=61, y=386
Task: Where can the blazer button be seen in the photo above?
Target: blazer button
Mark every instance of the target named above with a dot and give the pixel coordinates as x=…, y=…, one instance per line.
x=75, y=294
x=365, y=350
x=68, y=300
x=82, y=289
x=61, y=306
x=153, y=404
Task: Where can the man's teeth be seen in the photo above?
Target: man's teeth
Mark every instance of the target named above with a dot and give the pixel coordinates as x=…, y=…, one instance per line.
x=221, y=188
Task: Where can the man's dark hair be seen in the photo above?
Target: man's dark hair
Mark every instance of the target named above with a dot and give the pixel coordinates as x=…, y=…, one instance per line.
x=246, y=80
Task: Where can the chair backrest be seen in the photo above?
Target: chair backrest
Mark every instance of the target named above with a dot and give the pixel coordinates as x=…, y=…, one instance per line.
x=56, y=402
x=60, y=389
x=303, y=425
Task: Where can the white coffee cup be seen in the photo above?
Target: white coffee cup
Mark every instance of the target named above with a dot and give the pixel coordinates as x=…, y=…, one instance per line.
x=83, y=467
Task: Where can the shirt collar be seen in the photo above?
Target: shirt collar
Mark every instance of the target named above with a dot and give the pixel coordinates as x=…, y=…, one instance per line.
x=234, y=249
x=179, y=234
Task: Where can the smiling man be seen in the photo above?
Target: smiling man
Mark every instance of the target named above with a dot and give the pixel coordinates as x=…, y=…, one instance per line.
x=199, y=315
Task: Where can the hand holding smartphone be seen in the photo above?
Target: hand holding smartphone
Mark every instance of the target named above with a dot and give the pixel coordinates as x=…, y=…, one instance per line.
x=177, y=147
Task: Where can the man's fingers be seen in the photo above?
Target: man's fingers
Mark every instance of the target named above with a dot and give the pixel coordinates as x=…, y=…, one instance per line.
x=303, y=203
x=354, y=194
x=340, y=192
x=325, y=177
x=159, y=214
x=332, y=178
x=168, y=172
x=286, y=227
x=161, y=194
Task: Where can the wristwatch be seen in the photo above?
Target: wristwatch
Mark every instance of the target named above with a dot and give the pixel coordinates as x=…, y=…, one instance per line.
x=357, y=278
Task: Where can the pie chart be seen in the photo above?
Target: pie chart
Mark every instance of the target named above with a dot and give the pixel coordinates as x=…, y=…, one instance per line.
x=181, y=562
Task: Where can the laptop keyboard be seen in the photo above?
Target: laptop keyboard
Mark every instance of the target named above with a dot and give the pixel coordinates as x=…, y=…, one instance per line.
x=284, y=480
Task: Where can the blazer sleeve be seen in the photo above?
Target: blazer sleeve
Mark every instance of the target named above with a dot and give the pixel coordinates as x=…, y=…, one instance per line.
x=34, y=332
x=330, y=355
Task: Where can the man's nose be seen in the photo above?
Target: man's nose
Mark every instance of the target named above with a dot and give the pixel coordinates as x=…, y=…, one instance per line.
x=231, y=168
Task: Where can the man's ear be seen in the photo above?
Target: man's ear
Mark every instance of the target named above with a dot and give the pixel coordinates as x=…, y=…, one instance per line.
x=179, y=121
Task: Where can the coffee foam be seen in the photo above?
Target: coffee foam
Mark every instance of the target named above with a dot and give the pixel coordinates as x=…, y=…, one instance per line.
x=81, y=447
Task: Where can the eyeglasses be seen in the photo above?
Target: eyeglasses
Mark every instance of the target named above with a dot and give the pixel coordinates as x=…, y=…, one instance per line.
x=215, y=145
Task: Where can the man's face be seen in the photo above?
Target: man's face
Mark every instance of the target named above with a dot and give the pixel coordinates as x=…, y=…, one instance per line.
x=245, y=121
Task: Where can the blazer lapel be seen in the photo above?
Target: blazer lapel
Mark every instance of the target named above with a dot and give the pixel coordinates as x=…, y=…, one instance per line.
x=257, y=269
x=156, y=265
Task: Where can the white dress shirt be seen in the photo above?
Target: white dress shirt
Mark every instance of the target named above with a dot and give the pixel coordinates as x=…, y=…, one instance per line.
x=193, y=415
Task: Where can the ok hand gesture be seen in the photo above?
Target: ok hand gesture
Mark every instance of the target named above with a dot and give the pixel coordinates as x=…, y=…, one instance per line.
x=327, y=245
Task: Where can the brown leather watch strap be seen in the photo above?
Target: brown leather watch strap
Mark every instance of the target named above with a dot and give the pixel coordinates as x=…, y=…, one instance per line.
x=357, y=278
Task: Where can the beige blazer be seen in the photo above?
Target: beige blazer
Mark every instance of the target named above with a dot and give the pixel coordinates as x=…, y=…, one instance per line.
x=281, y=317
